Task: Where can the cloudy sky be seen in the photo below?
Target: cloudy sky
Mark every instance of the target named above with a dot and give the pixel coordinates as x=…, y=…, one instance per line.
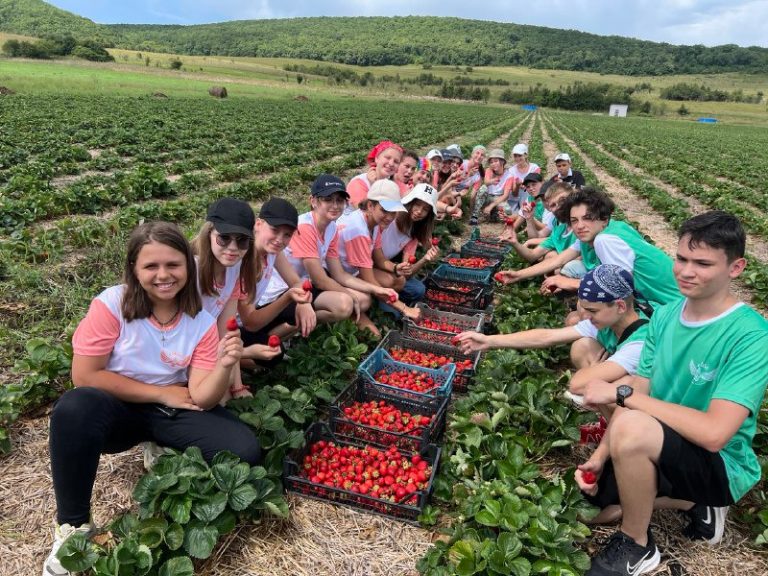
x=708, y=22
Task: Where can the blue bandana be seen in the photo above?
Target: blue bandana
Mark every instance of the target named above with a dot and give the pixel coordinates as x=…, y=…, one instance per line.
x=606, y=283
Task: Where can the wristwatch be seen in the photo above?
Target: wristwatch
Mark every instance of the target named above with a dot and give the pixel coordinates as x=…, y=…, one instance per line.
x=622, y=393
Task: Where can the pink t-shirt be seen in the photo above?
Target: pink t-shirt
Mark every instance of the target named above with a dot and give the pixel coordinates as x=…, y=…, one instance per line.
x=356, y=244
x=358, y=189
x=142, y=349
x=307, y=243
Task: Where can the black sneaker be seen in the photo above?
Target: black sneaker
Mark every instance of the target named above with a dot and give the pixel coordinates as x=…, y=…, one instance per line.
x=622, y=556
x=707, y=523
x=473, y=221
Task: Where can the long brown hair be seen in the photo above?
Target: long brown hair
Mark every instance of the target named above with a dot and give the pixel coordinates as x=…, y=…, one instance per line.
x=206, y=264
x=136, y=304
x=421, y=230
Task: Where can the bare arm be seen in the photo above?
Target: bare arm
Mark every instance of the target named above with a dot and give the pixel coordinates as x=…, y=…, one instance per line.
x=536, y=338
x=546, y=265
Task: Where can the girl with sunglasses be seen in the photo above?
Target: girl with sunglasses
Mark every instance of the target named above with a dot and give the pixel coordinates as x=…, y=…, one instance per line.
x=226, y=270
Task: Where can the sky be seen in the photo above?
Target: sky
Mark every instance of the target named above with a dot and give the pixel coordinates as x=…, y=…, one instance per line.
x=707, y=22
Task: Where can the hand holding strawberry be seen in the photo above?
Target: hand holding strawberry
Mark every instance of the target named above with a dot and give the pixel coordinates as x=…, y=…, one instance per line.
x=412, y=260
x=307, y=285
x=232, y=324
x=435, y=241
x=274, y=341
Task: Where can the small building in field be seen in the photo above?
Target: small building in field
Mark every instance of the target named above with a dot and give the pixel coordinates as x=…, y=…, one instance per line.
x=619, y=110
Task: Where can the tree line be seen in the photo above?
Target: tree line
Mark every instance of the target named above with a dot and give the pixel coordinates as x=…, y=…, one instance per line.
x=57, y=46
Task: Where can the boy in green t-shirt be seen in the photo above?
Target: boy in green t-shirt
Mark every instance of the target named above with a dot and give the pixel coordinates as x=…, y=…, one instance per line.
x=602, y=240
x=684, y=425
x=606, y=344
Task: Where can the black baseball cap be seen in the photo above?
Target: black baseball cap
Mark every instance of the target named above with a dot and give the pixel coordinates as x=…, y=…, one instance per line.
x=231, y=216
x=279, y=212
x=327, y=184
x=532, y=177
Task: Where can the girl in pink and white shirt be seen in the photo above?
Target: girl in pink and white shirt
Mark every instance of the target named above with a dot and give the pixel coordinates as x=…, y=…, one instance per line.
x=359, y=236
x=383, y=161
x=148, y=365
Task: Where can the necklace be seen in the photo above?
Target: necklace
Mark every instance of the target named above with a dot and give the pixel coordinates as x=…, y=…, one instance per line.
x=163, y=329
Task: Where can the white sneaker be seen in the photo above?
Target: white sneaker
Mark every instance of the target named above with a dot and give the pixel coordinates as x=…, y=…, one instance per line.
x=52, y=566
x=152, y=452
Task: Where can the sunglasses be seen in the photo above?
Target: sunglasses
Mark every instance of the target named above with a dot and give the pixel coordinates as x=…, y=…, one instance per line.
x=224, y=240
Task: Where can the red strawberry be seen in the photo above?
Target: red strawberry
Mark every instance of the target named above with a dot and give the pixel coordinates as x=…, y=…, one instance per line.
x=588, y=477
x=435, y=241
x=232, y=324
x=392, y=298
x=412, y=260
x=274, y=341
x=552, y=288
x=499, y=277
x=455, y=340
x=307, y=285
x=509, y=221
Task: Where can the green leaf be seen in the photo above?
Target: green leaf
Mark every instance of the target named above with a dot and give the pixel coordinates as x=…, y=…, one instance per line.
x=178, y=507
x=77, y=554
x=226, y=458
x=199, y=539
x=242, y=496
x=208, y=509
x=520, y=566
x=174, y=536
x=472, y=437
x=490, y=515
x=152, y=531
x=178, y=566
x=230, y=477
x=225, y=522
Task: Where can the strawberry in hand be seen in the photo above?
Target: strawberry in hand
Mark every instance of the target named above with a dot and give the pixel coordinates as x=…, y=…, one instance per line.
x=307, y=285
x=274, y=341
x=588, y=477
x=232, y=324
x=412, y=260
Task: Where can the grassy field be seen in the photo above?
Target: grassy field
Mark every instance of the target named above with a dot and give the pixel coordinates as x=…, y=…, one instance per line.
x=136, y=73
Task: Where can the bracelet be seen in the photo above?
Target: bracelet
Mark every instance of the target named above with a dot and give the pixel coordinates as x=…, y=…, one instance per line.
x=395, y=272
x=234, y=390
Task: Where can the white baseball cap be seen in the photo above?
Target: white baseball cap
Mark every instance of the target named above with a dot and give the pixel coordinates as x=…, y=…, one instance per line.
x=387, y=193
x=520, y=149
x=562, y=156
x=423, y=192
x=434, y=153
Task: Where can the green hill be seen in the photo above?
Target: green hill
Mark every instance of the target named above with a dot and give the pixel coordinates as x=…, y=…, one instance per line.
x=398, y=40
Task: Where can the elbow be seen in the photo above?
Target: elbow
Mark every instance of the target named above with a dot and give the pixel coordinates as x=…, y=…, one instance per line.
x=714, y=441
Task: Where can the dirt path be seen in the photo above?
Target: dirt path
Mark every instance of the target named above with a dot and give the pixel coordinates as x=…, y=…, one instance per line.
x=756, y=246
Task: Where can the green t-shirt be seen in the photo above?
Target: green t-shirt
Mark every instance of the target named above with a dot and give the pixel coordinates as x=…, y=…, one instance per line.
x=724, y=358
x=651, y=268
x=559, y=239
x=538, y=211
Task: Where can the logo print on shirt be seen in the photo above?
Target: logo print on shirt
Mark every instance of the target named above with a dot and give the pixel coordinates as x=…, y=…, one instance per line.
x=175, y=359
x=701, y=372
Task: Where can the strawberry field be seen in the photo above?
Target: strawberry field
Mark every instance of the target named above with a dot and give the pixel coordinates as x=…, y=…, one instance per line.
x=77, y=174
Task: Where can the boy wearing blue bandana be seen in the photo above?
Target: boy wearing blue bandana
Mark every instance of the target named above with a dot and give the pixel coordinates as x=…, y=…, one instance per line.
x=681, y=435
x=606, y=345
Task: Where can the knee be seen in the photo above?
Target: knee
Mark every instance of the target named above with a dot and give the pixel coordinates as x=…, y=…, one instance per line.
x=398, y=284
x=248, y=449
x=78, y=406
x=633, y=434
x=345, y=307
x=583, y=352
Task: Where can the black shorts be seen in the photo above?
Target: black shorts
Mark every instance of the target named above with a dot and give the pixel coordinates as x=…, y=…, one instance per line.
x=286, y=316
x=685, y=471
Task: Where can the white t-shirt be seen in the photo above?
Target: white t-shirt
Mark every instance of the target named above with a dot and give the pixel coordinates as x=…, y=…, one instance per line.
x=393, y=242
x=356, y=242
x=627, y=356
x=264, y=282
x=214, y=305
x=610, y=249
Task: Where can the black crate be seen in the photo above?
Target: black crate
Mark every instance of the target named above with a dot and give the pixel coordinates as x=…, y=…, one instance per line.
x=488, y=316
x=484, y=248
x=347, y=430
x=493, y=263
x=447, y=292
x=461, y=380
x=463, y=323
x=409, y=512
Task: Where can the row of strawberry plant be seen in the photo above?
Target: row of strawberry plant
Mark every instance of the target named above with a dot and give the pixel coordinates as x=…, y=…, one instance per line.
x=503, y=514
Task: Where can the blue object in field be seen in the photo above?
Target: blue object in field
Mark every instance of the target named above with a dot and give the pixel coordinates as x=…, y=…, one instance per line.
x=529, y=107
x=707, y=120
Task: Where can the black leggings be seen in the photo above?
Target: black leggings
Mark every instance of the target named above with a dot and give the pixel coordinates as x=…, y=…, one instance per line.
x=88, y=422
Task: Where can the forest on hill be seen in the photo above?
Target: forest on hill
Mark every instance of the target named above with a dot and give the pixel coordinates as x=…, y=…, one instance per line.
x=376, y=41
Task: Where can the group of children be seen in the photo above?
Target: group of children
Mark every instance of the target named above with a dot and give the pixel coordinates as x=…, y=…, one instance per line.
x=661, y=348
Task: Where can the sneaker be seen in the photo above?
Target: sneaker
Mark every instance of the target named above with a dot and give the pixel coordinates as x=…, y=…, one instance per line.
x=52, y=566
x=622, y=556
x=473, y=221
x=707, y=523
